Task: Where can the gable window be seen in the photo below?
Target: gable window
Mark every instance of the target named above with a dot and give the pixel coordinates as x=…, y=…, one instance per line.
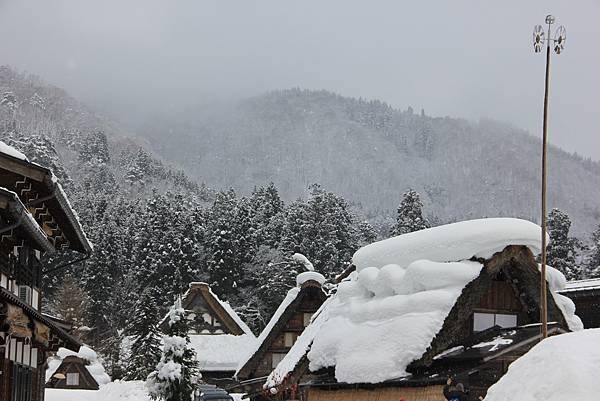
x=306, y=318
x=275, y=359
x=72, y=379
x=289, y=339
x=483, y=321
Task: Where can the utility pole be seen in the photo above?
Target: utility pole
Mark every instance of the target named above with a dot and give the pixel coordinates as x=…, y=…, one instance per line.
x=559, y=42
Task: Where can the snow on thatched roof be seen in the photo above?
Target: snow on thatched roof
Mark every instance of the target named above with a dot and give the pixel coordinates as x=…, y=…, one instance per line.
x=93, y=363
x=399, y=297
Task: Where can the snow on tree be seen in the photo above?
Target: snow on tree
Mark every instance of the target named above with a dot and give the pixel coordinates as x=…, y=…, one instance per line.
x=145, y=339
x=70, y=303
x=593, y=266
x=561, y=252
x=410, y=214
x=176, y=374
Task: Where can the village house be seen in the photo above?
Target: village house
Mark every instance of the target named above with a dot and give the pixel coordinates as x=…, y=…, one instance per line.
x=458, y=301
x=586, y=296
x=285, y=326
x=218, y=335
x=35, y=219
x=76, y=370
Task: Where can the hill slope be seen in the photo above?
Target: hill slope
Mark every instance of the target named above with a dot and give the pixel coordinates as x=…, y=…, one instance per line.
x=370, y=153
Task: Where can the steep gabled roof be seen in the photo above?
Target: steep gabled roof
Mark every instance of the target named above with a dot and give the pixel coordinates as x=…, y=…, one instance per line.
x=307, y=282
x=85, y=357
x=402, y=313
x=222, y=351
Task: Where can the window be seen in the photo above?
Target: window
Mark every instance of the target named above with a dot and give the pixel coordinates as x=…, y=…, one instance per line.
x=25, y=294
x=72, y=379
x=483, y=321
x=306, y=318
x=275, y=359
x=289, y=339
x=21, y=382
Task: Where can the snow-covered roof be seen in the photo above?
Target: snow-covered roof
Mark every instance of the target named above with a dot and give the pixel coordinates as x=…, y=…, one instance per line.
x=236, y=318
x=451, y=242
x=582, y=285
x=221, y=352
x=94, y=365
x=289, y=298
x=399, y=297
x=563, y=367
x=9, y=150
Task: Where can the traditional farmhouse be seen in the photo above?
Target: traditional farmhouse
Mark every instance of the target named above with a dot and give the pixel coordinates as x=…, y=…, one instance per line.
x=460, y=300
x=219, y=336
x=75, y=370
x=282, y=331
x=586, y=296
x=35, y=218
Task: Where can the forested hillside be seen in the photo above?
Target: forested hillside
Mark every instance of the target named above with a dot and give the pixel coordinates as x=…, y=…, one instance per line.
x=371, y=153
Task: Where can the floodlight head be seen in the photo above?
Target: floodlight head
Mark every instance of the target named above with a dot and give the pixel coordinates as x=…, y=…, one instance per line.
x=561, y=38
x=538, y=38
x=549, y=19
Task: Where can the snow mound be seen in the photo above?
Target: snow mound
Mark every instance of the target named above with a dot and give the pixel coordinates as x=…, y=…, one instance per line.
x=114, y=391
x=451, y=242
x=221, y=352
x=389, y=331
x=94, y=365
x=9, y=150
x=556, y=283
x=562, y=367
x=309, y=275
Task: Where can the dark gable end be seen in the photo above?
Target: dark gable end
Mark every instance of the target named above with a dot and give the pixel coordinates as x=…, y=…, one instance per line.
x=309, y=300
x=509, y=282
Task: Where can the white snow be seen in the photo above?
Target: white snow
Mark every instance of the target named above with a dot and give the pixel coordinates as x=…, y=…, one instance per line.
x=449, y=351
x=563, y=367
x=289, y=298
x=115, y=391
x=451, y=242
x=309, y=275
x=582, y=285
x=496, y=342
x=390, y=327
x=298, y=257
x=557, y=283
x=9, y=150
x=221, y=352
x=94, y=366
x=231, y=313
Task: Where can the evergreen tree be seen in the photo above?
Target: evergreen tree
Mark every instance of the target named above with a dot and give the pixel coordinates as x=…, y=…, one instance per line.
x=593, y=267
x=410, y=214
x=561, y=252
x=143, y=330
x=176, y=373
x=70, y=303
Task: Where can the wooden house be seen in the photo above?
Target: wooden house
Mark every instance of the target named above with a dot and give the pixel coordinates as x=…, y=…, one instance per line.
x=35, y=218
x=75, y=370
x=217, y=333
x=586, y=296
x=457, y=301
x=289, y=321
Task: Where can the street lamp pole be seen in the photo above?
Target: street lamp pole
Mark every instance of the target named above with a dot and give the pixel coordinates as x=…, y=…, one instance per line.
x=558, y=42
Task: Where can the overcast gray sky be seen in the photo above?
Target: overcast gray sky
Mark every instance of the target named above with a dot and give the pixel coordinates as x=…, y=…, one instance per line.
x=467, y=59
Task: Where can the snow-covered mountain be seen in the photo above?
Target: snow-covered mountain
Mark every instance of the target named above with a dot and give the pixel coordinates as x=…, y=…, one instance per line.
x=371, y=153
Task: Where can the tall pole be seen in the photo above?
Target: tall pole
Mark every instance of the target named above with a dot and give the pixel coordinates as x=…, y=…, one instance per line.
x=543, y=291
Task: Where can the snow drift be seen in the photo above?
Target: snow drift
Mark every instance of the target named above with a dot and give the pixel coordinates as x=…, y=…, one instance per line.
x=563, y=367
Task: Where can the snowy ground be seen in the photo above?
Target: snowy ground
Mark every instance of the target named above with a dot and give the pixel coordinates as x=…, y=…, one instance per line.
x=117, y=391
x=560, y=368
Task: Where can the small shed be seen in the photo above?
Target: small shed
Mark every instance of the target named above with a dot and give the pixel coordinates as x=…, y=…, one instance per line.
x=76, y=371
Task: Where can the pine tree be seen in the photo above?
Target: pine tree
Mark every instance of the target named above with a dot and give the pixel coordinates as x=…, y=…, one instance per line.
x=144, y=333
x=593, y=267
x=176, y=373
x=561, y=252
x=70, y=303
x=410, y=214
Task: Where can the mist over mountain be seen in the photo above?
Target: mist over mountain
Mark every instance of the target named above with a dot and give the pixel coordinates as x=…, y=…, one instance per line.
x=371, y=153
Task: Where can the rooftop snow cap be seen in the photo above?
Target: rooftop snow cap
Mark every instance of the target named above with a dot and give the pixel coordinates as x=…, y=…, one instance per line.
x=310, y=274
x=451, y=242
